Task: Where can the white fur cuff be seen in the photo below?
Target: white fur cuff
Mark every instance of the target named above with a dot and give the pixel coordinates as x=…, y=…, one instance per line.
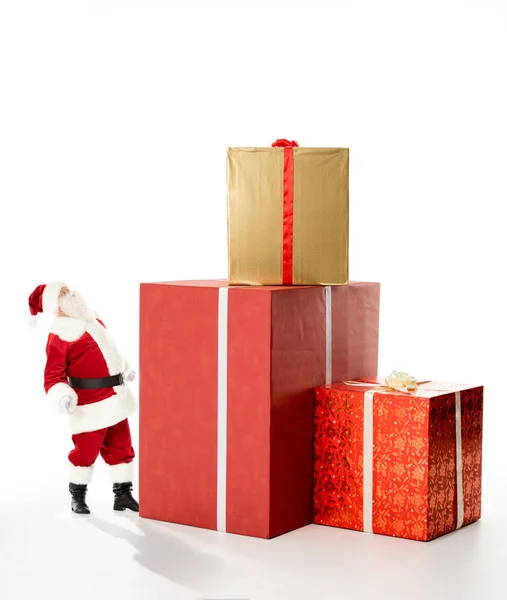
x=80, y=475
x=58, y=391
x=122, y=473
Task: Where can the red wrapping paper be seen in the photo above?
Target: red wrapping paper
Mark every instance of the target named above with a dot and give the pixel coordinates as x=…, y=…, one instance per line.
x=276, y=355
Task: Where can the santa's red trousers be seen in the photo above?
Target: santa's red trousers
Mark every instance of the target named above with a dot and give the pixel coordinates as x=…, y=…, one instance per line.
x=114, y=444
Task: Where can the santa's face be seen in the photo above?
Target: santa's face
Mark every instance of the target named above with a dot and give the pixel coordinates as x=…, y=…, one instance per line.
x=73, y=304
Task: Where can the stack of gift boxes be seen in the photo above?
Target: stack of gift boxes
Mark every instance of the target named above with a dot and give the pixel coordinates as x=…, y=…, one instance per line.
x=260, y=407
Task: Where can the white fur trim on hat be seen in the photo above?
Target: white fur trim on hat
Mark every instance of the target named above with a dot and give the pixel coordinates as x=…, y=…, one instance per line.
x=122, y=473
x=50, y=297
x=80, y=475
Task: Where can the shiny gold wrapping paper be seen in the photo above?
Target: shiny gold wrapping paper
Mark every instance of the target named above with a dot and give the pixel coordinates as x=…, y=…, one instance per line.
x=255, y=216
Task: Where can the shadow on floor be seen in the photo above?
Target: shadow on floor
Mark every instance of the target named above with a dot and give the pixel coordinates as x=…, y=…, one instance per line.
x=167, y=555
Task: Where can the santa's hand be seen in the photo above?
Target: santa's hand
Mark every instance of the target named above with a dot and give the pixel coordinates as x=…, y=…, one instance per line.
x=128, y=373
x=67, y=404
x=130, y=376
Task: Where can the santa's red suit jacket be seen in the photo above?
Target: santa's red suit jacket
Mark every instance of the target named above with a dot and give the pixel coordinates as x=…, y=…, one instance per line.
x=85, y=349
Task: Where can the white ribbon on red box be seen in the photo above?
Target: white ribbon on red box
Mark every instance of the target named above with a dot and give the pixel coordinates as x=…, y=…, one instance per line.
x=403, y=383
x=223, y=303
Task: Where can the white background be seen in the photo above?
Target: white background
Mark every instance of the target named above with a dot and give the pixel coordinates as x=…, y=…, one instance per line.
x=114, y=120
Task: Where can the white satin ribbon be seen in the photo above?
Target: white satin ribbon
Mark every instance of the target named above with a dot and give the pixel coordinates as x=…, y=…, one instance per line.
x=368, y=462
x=223, y=297
x=459, y=464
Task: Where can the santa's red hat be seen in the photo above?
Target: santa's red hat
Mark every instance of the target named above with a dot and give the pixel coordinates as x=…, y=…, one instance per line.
x=44, y=299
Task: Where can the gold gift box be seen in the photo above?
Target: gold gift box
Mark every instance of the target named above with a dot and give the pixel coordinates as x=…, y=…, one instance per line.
x=320, y=221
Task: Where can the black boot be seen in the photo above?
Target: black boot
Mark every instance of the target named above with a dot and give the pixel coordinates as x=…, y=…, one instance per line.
x=78, y=504
x=123, y=497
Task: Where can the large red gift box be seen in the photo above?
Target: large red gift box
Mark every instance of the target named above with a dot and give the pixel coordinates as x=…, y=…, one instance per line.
x=399, y=464
x=227, y=377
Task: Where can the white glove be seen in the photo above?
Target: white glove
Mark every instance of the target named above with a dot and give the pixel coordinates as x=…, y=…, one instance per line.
x=67, y=405
x=130, y=376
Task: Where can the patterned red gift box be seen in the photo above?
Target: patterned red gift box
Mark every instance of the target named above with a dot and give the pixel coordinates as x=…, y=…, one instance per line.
x=227, y=379
x=399, y=464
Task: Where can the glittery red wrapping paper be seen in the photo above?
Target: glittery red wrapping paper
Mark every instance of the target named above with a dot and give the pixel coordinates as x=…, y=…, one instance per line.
x=414, y=460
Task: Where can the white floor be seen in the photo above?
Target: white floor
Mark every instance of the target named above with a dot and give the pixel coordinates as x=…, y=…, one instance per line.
x=48, y=553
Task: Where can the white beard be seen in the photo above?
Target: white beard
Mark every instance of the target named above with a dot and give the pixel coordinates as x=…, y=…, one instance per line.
x=74, y=306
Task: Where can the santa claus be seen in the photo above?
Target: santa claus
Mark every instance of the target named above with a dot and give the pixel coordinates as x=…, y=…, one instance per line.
x=86, y=378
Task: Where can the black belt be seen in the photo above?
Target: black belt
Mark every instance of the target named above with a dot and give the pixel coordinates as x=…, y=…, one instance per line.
x=93, y=384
